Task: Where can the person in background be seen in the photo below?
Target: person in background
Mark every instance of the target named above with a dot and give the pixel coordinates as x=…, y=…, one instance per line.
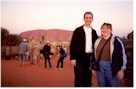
x=111, y=58
x=36, y=53
x=7, y=53
x=23, y=48
x=41, y=48
x=46, y=54
x=64, y=47
x=31, y=48
x=81, y=51
x=62, y=56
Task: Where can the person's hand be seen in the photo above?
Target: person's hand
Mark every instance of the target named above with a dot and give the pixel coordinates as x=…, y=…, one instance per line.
x=94, y=72
x=120, y=74
x=73, y=62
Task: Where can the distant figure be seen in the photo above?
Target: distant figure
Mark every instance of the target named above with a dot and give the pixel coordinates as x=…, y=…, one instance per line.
x=46, y=53
x=36, y=53
x=64, y=47
x=41, y=48
x=23, y=48
x=7, y=53
x=31, y=48
x=62, y=56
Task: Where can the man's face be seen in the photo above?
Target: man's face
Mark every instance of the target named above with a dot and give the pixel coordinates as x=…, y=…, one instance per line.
x=88, y=19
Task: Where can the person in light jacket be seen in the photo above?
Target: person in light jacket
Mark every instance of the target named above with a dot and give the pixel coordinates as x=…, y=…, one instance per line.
x=112, y=61
x=31, y=49
x=36, y=53
x=23, y=49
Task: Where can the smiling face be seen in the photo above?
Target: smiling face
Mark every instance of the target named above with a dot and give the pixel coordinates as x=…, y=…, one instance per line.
x=88, y=18
x=106, y=30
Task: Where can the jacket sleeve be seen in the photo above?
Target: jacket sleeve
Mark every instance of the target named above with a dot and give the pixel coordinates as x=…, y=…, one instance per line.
x=124, y=55
x=73, y=45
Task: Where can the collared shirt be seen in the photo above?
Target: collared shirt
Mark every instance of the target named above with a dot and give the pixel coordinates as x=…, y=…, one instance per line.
x=88, y=42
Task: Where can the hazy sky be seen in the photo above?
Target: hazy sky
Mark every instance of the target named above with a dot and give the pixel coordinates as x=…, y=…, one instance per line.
x=23, y=15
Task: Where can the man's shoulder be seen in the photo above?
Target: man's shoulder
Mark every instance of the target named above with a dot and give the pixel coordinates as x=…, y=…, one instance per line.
x=80, y=27
x=93, y=30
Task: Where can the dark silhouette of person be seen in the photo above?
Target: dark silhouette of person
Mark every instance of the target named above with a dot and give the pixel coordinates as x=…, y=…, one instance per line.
x=46, y=53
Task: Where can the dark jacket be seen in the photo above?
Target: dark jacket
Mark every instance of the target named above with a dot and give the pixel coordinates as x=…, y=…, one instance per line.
x=117, y=54
x=46, y=51
x=77, y=46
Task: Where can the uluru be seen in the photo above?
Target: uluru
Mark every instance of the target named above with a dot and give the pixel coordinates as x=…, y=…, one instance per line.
x=50, y=34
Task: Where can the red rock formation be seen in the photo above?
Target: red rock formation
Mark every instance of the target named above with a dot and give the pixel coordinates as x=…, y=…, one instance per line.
x=50, y=35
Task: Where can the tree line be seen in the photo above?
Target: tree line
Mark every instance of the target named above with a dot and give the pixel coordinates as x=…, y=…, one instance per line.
x=8, y=39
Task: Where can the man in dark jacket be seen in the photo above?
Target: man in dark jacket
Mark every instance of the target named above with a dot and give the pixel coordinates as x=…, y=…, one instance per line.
x=46, y=53
x=81, y=51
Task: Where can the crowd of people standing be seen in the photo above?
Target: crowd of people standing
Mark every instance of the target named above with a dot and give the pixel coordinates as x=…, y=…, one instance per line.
x=32, y=51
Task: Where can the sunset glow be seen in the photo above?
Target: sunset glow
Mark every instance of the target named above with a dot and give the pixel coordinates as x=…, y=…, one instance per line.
x=18, y=16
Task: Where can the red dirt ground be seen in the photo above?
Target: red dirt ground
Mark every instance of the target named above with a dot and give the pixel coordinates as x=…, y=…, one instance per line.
x=12, y=75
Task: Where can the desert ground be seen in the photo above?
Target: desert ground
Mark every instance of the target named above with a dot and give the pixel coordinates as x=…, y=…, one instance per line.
x=12, y=75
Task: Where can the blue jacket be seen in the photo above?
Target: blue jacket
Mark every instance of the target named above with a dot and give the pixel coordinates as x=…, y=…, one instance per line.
x=23, y=48
x=117, y=54
x=62, y=52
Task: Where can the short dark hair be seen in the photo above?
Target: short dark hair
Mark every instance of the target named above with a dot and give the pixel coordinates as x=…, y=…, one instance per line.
x=107, y=24
x=88, y=13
